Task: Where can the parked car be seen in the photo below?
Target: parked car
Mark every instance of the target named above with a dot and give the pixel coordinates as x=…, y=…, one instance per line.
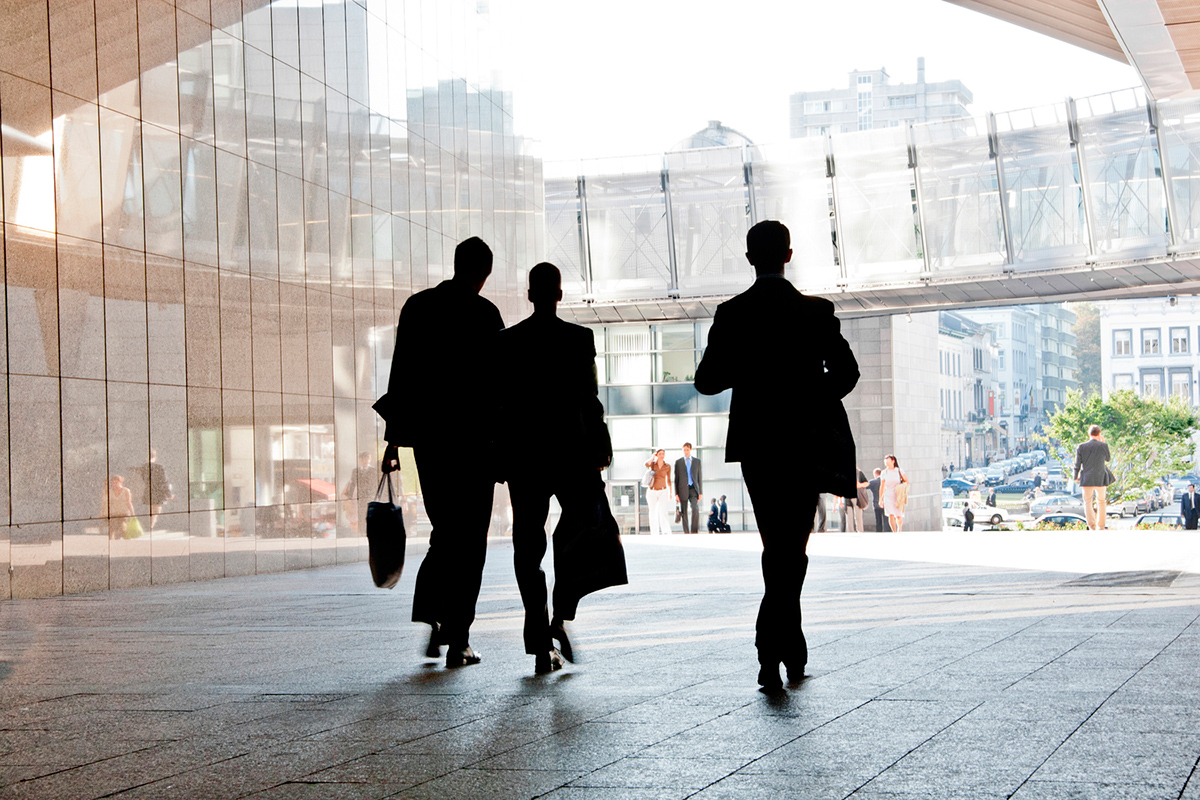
x=1174, y=520
x=983, y=512
x=1056, y=503
x=1062, y=520
x=994, y=477
x=958, y=485
x=1019, y=486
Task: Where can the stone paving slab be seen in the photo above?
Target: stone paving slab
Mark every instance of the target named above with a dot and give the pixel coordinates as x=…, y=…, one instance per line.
x=926, y=680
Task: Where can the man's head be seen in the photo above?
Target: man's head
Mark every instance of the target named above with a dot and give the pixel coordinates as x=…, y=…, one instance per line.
x=472, y=262
x=687, y=449
x=545, y=285
x=364, y=459
x=878, y=472
x=1191, y=488
x=768, y=247
x=1094, y=431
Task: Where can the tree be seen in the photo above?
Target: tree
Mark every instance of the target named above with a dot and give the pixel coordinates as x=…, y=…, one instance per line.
x=1087, y=347
x=1148, y=438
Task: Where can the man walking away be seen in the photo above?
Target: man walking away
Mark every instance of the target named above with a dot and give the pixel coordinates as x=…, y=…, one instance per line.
x=1092, y=474
x=550, y=400
x=779, y=350
x=688, y=491
x=968, y=517
x=1188, y=508
x=438, y=403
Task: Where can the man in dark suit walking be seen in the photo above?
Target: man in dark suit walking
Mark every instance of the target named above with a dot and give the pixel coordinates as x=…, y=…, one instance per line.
x=445, y=348
x=1189, y=509
x=689, y=489
x=1092, y=475
x=552, y=417
x=784, y=356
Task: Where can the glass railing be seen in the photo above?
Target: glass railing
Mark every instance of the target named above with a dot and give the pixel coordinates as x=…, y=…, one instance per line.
x=1105, y=179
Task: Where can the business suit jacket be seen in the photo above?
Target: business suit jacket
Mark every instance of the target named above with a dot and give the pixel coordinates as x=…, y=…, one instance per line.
x=783, y=355
x=1190, y=512
x=442, y=369
x=549, y=408
x=681, y=478
x=1089, y=463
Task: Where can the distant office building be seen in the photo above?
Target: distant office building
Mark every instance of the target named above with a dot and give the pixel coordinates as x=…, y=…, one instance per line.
x=1149, y=346
x=869, y=101
x=967, y=390
x=1017, y=403
x=1059, y=368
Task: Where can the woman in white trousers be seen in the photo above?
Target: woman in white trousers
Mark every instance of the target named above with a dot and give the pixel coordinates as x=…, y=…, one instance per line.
x=658, y=494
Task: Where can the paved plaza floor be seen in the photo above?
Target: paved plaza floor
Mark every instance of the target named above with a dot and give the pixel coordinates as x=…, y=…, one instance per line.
x=926, y=680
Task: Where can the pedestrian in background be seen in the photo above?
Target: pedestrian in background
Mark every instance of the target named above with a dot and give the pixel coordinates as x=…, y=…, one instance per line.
x=1092, y=474
x=689, y=490
x=968, y=517
x=873, y=487
x=894, y=487
x=658, y=493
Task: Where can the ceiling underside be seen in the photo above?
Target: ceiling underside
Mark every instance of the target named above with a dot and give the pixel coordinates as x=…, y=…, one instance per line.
x=1159, y=38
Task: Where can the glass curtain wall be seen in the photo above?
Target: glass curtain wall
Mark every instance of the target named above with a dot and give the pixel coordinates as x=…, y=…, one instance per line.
x=211, y=216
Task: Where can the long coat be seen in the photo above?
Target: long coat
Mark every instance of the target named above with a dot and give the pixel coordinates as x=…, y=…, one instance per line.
x=783, y=355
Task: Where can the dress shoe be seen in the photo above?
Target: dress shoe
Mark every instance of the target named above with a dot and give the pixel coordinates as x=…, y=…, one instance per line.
x=559, y=634
x=547, y=662
x=768, y=677
x=462, y=658
x=434, y=648
x=795, y=671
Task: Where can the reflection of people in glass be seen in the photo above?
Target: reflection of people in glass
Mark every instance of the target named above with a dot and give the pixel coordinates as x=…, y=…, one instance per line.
x=117, y=505
x=157, y=488
x=360, y=489
x=438, y=403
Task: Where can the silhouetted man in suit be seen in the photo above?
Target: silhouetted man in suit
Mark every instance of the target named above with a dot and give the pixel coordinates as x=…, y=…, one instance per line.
x=689, y=489
x=438, y=402
x=549, y=412
x=1189, y=509
x=784, y=357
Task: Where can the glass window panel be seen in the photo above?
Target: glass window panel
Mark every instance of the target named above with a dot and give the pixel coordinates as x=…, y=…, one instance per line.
x=1045, y=208
x=117, y=55
x=85, y=447
x=960, y=199
x=711, y=404
x=81, y=308
x=28, y=171
x=563, y=233
x=195, y=62
x=629, y=360
x=671, y=432
x=199, y=210
x=874, y=188
x=710, y=208
x=713, y=431
x=77, y=167
x=1180, y=126
x=1125, y=187
x=676, y=399
x=630, y=433
x=629, y=400
x=121, y=179
x=676, y=366
x=627, y=238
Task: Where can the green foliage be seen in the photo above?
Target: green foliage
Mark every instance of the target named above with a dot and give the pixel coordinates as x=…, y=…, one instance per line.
x=1087, y=347
x=1148, y=438
x=1071, y=526
x=1157, y=526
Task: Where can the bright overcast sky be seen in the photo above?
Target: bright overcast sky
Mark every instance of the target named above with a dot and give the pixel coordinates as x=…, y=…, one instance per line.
x=624, y=77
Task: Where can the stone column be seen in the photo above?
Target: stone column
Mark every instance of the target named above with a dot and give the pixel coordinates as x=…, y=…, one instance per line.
x=894, y=408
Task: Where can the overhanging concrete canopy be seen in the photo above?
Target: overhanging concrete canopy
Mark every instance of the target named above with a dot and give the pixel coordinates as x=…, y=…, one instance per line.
x=1158, y=38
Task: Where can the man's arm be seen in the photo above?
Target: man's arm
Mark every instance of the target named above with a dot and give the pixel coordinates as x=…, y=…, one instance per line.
x=714, y=373
x=841, y=367
x=1078, y=461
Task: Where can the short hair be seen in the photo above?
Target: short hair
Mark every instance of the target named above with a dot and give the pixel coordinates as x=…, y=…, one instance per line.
x=767, y=244
x=966, y=503
x=1191, y=486
x=878, y=471
x=472, y=259
x=688, y=444
x=1094, y=430
x=545, y=281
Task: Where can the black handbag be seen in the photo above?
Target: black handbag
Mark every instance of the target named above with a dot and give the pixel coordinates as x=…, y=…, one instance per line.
x=385, y=536
x=588, y=554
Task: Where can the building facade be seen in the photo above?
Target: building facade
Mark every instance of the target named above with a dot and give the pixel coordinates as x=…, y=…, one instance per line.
x=1059, y=367
x=212, y=214
x=1016, y=402
x=871, y=101
x=1150, y=347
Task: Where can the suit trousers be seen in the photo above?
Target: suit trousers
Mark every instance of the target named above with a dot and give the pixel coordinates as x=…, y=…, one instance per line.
x=530, y=495
x=692, y=501
x=784, y=529
x=459, y=504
